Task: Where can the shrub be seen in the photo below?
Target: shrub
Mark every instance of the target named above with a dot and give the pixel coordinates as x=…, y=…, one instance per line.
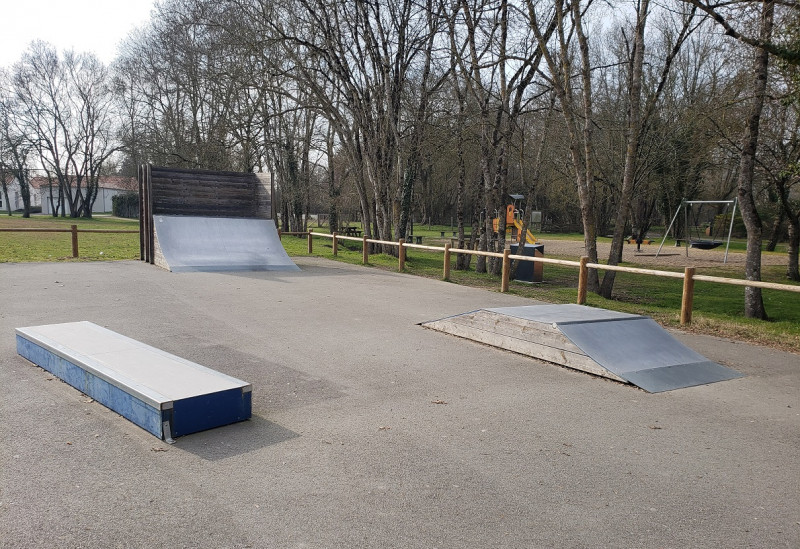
x=125, y=205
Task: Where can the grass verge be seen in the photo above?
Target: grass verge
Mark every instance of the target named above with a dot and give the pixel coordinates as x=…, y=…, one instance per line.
x=19, y=247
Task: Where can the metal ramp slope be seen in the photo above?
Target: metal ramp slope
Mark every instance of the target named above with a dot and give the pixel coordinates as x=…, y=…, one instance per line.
x=624, y=347
x=529, y=238
x=213, y=244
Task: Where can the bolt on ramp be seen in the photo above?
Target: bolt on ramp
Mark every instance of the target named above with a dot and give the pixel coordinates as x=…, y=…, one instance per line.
x=211, y=244
x=624, y=347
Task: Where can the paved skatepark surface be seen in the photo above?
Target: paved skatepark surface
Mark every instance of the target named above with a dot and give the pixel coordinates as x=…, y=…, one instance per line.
x=370, y=431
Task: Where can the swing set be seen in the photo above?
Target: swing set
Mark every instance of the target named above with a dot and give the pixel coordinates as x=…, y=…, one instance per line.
x=698, y=241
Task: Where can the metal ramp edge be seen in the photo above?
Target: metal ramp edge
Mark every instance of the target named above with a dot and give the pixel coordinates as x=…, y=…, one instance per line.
x=619, y=346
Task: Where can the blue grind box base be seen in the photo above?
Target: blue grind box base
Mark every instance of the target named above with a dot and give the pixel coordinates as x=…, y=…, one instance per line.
x=122, y=390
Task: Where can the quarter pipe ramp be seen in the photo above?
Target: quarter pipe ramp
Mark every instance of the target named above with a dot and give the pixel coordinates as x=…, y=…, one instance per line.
x=190, y=243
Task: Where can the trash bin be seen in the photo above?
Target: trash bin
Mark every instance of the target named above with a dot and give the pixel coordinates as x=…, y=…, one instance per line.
x=529, y=271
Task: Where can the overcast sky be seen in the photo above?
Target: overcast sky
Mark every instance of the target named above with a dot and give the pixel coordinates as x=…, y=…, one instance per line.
x=84, y=25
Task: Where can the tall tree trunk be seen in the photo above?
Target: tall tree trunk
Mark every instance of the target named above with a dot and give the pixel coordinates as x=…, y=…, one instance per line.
x=753, y=301
x=333, y=190
x=792, y=271
x=777, y=231
x=634, y=131
x=793, y=218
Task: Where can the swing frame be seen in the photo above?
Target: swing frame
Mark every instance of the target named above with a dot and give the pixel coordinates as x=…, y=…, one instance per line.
x=684, y=203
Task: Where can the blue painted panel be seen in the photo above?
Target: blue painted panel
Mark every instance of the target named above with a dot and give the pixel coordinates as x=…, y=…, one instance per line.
x=110, y=396
x=212, y=410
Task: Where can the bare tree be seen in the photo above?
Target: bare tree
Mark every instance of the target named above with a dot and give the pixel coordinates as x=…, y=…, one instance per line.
x=64, y=109
x=578, y=111
x=638, y=114
x=499, y=67
x=15, y=148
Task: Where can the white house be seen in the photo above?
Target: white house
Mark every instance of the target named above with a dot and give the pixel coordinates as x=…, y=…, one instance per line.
x=108, y=187
x=15, y=197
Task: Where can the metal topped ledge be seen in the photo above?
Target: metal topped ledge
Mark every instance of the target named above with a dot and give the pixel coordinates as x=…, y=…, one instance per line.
x=165, y=394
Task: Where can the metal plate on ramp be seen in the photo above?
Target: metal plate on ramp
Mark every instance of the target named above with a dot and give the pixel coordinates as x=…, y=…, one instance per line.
x=642, y=352
x=211, y=244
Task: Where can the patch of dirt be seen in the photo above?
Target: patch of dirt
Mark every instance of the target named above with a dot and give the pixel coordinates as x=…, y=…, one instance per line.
x=670, y=256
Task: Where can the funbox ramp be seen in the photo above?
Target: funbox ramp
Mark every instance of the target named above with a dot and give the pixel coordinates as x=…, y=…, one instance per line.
x=192, y=243
x=624, y=347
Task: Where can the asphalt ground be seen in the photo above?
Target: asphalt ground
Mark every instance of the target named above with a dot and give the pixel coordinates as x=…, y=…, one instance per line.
x=370, y=431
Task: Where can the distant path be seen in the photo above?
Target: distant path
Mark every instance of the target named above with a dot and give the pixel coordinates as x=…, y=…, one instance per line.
x=670, y=256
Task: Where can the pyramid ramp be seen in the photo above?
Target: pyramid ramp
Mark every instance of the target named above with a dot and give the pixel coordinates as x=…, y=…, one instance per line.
x=623, y=347
x=210, y=244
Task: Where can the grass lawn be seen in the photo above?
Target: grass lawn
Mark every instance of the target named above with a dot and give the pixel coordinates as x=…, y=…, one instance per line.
x=23, y=247
x=718, y=309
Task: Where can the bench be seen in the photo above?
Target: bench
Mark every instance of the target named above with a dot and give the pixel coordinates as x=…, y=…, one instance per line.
x=164, y=394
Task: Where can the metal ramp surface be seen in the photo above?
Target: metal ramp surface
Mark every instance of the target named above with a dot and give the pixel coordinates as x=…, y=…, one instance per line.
x=620, y=346
x=209, y=244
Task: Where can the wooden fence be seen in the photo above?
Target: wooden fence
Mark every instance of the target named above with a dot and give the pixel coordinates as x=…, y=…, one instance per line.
x=73, y=229
x=689, y=277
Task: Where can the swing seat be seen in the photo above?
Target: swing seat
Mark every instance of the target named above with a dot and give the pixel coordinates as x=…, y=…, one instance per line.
x=705, y=244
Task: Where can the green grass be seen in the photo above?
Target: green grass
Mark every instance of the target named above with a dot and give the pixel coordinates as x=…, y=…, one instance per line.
x=18, y=247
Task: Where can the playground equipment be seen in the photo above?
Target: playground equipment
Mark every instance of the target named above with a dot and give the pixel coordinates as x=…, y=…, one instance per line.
x=197, y=220
x=623, y=347
x=697, y=241
x=514, y=221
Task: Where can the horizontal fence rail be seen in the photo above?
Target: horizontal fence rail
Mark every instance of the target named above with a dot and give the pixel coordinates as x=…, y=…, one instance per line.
x=688, y=276
x=73, y=229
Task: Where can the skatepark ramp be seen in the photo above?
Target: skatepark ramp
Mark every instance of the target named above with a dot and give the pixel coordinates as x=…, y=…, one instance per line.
x=623, y=347
x=197, y=220
x=162, y=393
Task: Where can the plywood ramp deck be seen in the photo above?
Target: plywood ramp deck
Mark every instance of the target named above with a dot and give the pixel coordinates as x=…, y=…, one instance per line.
x=620, y=346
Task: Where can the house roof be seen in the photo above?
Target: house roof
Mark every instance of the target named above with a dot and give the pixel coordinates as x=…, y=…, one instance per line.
x=117, y=182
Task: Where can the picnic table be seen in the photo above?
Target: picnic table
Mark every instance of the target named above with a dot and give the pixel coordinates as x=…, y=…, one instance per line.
x=351, y=231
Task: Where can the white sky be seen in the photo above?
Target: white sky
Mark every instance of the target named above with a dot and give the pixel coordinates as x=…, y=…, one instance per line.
x=85, y=25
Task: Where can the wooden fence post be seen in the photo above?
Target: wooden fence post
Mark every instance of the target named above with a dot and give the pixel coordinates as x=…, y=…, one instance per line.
x=310, y=242
x=335, y=245
x=583, y=277
x=74, y=241
x=506, y=270
x=446, y=275
x=401, y=255
x=688, y=296
x=365, y=251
